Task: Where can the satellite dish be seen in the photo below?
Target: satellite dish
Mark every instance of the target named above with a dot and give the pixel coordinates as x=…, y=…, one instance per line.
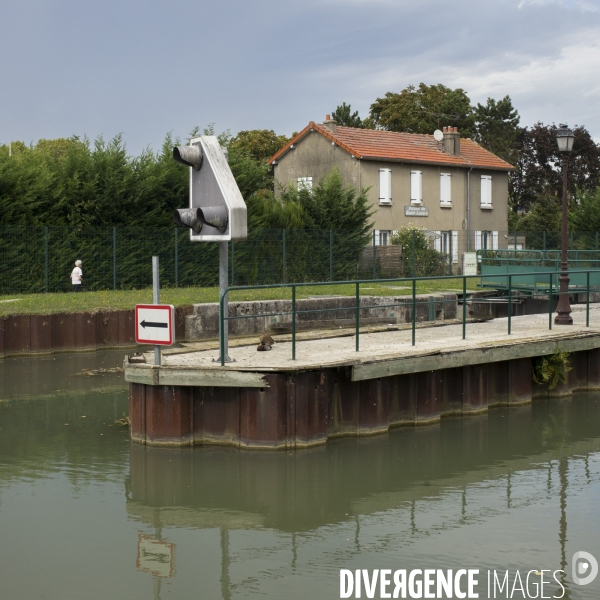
x=438, y=135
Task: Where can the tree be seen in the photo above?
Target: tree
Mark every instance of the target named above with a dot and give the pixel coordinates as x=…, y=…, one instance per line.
x=251, y=175
x=267, y=212
x=332, y=205
x=424, y=109
x=340, y=211
x=260, y=144
x=545, y=215
x=325, y=229
x=584, y=215
x=343, y=115
x=539, y=166
x=419, y=260
x=497, y=128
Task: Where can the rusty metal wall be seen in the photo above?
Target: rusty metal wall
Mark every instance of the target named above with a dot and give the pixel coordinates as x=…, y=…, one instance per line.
x=594, y=369
x=60, y=332
x=306, y=409
x=475, y=388
x=263, y=414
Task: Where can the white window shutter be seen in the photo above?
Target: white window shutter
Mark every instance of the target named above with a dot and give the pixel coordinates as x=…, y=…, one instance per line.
x=385, y=185
x=483, y=198
x=389, y=184
x=437, y=242
x=478, y=240
x=445, y=188
x=494, y=240
x=416, y=187
x=455, y=246
x=486, y=190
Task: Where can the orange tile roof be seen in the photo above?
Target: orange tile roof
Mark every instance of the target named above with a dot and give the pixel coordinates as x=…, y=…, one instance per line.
x=373, y=144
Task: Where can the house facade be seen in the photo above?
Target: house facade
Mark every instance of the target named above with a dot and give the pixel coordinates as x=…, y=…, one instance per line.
x=453, y=188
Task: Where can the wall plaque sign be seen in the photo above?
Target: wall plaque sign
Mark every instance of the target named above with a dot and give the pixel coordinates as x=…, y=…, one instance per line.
x=416, y=211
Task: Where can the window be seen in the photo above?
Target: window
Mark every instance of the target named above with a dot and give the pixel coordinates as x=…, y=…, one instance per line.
x=385, y=186
x=382, y=237
x=486, y=191
x=416, y=187
x=486, y=240
x=447, y=242
x=445, y=189
x=304, y=183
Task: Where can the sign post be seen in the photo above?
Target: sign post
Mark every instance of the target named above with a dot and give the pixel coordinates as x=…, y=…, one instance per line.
x=155, y=323
x=156, y=299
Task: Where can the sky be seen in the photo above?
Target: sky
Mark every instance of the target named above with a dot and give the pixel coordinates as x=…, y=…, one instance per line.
x=144, y=68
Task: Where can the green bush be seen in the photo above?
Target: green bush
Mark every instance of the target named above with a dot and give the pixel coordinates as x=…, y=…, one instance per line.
x=419, y=260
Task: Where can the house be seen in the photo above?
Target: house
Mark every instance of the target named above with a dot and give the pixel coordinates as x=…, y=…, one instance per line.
x=452, y=187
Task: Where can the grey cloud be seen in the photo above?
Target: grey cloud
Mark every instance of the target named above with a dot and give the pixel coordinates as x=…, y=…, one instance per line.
x=145, y=68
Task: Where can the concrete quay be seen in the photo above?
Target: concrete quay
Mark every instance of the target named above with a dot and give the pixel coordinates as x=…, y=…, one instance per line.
x=321, y=312
x=265, y=400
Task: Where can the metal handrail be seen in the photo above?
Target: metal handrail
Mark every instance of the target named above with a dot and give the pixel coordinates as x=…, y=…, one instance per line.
x=505, y=256
x=552, y=292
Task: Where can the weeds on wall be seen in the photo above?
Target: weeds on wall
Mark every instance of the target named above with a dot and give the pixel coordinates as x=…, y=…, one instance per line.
x=549, y=370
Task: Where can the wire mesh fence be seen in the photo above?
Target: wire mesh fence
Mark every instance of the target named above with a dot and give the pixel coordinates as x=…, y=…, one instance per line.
x=40, y=259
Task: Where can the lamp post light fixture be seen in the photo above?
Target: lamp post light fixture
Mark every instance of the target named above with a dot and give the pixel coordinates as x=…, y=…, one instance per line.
x=564, y=139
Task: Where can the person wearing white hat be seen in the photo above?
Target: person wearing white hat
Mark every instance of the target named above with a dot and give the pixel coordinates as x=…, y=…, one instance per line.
x=77, y=276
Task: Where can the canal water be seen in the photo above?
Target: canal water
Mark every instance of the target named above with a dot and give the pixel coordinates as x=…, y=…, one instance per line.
x=84, y=514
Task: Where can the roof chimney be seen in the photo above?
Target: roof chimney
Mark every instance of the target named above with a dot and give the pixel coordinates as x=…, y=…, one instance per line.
x=451, y=141
x=330, y=124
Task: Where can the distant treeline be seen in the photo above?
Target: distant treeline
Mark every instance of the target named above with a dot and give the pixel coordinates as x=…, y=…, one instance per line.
x=76, y=182
x=71, y=198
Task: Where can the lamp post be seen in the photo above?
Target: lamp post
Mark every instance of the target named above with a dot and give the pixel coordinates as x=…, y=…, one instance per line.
x=564, y=139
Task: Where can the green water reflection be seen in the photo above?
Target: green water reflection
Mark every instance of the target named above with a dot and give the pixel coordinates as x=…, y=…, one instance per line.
x=85, y=514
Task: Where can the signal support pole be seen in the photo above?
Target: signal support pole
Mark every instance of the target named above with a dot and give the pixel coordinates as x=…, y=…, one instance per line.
x=155, y=299
x=223, y=284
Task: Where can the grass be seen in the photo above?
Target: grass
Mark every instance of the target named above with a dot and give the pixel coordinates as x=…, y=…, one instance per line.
x=19, y=304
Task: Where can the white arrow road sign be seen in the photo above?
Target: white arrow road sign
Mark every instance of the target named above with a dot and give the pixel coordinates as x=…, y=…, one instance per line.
x=154, y=324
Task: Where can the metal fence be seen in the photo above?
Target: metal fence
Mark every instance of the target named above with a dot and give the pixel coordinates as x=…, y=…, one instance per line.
x=514, y=281
x=39, y=259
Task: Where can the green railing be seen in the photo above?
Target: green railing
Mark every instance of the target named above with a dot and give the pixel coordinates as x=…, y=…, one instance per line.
x=552, y=292
x=497, y=264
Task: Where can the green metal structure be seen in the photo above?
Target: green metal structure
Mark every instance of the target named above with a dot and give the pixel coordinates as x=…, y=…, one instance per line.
x=512, y=279
x=529, y=270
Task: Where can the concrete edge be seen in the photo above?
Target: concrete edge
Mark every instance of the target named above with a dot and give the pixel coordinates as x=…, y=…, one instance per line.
x=192, y=377
x=464, y=358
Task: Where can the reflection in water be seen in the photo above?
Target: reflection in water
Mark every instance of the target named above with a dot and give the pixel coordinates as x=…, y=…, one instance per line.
x=302, y=492
x=562, y=530
x=59, y=373
x=225, y=583
x=494, y=491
